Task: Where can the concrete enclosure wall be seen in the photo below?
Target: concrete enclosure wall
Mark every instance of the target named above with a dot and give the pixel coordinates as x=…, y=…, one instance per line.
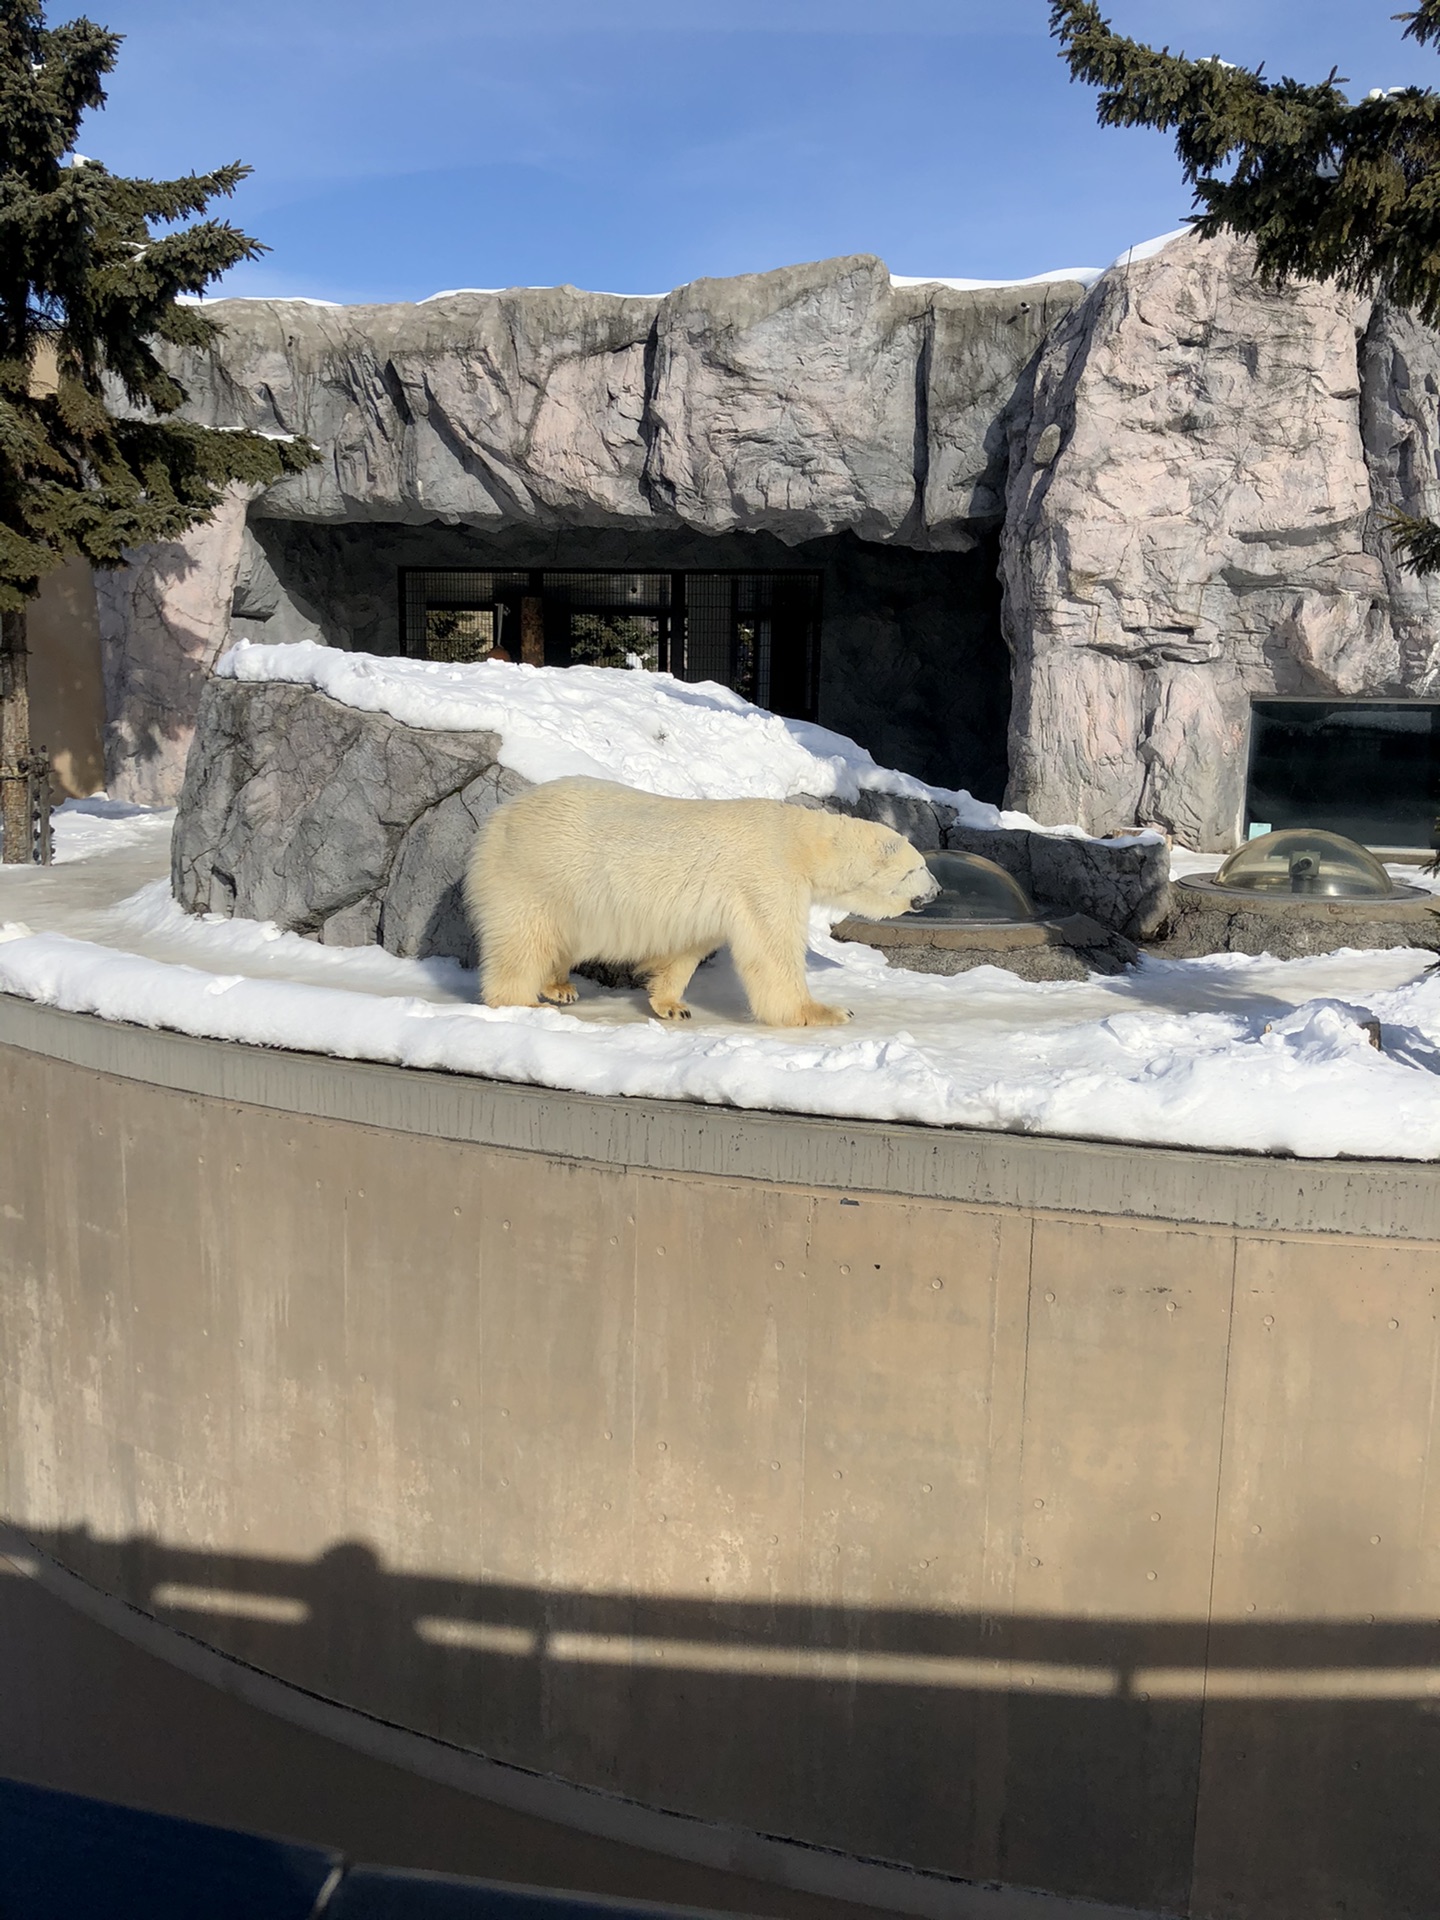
x=1025, y=1539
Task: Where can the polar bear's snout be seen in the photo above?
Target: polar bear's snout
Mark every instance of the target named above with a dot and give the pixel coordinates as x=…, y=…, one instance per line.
x=930, y=891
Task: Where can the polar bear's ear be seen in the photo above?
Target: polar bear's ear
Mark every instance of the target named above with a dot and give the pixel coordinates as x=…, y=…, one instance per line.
x=897, y=843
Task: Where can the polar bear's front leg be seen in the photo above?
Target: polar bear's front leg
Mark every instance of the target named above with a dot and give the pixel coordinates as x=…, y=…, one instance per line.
x=667, y=980
x=768, y=948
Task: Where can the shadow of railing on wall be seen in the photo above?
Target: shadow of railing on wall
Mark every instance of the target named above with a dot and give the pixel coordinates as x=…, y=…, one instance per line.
x=1278, y=1768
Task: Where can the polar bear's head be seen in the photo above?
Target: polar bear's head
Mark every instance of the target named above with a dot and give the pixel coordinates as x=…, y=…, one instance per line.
x=876, y=872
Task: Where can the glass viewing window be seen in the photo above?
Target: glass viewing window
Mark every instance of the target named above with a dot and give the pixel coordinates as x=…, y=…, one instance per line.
x=1369, y=769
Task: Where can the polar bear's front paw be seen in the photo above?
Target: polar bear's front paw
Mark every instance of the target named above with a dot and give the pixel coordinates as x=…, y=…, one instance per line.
x=816, y=1014
x=670, y=1009
x=561, y=992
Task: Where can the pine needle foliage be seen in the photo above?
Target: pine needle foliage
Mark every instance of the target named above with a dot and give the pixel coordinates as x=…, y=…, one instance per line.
x=1325, y=188
x=1417, y=542
x=92, y=270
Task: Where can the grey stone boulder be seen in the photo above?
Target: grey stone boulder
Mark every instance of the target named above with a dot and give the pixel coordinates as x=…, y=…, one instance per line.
x=423, y=911
x=343, y=825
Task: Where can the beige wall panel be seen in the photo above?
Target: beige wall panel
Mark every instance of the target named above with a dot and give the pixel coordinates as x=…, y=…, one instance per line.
x=722, y=1390
x=912, y=1457
x=557, y=1282
x=1323, y=1707
x=1125, y=1387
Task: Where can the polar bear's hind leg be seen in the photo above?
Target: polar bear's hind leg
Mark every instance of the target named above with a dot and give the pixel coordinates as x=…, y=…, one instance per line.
x=667, y=980
x=523, y=961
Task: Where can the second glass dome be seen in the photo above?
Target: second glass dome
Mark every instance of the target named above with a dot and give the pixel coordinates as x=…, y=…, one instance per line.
x=1310, y=862
x=973, y=889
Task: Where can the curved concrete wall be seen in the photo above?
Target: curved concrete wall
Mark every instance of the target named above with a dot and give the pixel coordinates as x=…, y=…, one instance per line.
x=1028, y=1511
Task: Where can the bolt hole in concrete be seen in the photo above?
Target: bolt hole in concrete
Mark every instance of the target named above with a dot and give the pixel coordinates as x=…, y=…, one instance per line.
x=1231, y=1050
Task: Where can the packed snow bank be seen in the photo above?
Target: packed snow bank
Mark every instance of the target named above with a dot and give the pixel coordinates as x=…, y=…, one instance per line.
x=1237, y=1053
x=647, y=730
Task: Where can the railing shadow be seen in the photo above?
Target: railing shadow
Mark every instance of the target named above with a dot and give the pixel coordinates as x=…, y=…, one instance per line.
x=1248, y=1767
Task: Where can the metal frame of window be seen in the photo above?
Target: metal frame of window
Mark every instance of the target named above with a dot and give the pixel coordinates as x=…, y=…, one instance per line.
x=754, y=629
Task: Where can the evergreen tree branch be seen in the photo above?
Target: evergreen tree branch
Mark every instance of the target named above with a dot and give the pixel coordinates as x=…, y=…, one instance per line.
x=1324, y=187
x=94, y=266
x=1424, y=23
x=1416, y=541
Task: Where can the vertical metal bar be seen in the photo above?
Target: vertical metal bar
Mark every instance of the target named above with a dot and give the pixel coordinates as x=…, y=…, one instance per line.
x=673, y=659
x=41, y=840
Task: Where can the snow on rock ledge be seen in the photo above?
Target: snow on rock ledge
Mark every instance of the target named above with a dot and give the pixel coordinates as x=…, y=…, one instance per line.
x=338, y=794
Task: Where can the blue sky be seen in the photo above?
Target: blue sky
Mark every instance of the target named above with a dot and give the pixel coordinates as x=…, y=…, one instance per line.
x=631, y=145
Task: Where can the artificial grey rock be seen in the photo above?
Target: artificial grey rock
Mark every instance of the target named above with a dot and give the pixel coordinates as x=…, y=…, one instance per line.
x=791, y=407
x=1400, y=428
x=1199, y=469
x=164, y=617
x=1123, y=885
x=1192, y=468
x=423, y=910
x=307, y=813
x=1288, y=927
x=808, y=401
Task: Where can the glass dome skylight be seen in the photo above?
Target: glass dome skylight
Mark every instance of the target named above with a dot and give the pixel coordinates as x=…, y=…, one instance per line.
x=972, y=889
x=1309, y=862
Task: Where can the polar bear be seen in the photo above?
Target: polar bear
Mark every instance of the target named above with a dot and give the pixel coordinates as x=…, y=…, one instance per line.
x=582, y=869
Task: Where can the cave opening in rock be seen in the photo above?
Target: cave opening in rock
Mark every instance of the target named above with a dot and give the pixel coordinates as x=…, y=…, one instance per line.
x=898, y=648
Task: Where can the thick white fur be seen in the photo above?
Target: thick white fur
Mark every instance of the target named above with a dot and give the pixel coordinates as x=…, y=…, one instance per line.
x=581, y=869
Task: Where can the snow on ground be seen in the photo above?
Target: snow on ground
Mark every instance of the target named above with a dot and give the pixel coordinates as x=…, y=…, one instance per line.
x=82, y=828
x=648, y=730
x=1229, y=1052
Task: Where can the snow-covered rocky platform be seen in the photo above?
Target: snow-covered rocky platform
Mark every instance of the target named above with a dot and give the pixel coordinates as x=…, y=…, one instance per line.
x=1230, y=1052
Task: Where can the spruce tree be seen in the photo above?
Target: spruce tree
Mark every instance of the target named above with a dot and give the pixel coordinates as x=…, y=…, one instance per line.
x=92, y=458
x=1324, y=187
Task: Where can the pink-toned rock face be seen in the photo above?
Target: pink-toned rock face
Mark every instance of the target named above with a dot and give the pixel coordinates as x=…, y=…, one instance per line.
x=163, y=620
x=1192, y=522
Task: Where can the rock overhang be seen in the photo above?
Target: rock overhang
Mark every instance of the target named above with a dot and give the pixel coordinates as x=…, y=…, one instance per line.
x=801, y=403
